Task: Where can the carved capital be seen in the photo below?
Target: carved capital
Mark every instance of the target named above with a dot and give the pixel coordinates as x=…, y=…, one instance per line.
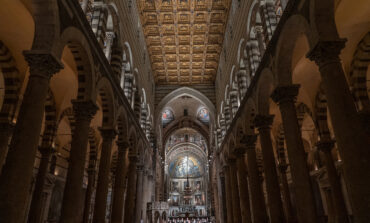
x=108, y=133
x=42, y=63
x=263, y=121
x=326, y=52
x=84, y=110
x=325, y=146
x=249, y=141
x=285, y=93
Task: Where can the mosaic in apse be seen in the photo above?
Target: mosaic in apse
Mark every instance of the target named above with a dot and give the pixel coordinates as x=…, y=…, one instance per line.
x=185, y=166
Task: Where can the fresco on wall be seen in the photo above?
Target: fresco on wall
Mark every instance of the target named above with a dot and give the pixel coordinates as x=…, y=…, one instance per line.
x=185, y=166
x=167, y=117
x=203, y=115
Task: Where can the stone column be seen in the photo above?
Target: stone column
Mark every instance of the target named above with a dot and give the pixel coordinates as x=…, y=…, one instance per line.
x=103, y=175
x=89, y=192
x=119, y=183
x=234, y=191
x=36, y=203
x=286, y=193
x=257, y=198
x=139, y=192
x=223, y=208
x=243, y=185
x=352, y=138
x=15, y=180
x=340, y=209
x=6, y=129
x=146, y=192
x=285, y=96
x=73, y=193
x=229, y=198
x=263, y=123
x=131, y=190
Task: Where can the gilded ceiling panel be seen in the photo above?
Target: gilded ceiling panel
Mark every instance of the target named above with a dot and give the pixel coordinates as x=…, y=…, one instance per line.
x=184, y=38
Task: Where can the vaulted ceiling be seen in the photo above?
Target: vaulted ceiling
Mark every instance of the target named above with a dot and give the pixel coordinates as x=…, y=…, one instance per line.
x=184, y=38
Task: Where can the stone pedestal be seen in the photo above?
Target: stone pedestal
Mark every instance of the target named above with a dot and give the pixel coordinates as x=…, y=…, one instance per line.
x=15, y=180
x=263, y=123
x=73, y=193
x=285, y=96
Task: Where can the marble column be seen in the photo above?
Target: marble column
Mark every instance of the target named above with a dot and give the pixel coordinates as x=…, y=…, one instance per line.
x=119, y=184
x=139, y=192
x=340, y=209
x=229, y=198
x=223, y=208
x=234, y=191
x=243, y=185
x=263, y=123
x=89, y=192
x=285, y=96
x=35, y=212
x=131, y=190
x=257, y=197
x=15, y=180
x=6, y=129
x=286, y=194
x=146, y=192
x=350, y=132
x=73, y=193
x=103, y=175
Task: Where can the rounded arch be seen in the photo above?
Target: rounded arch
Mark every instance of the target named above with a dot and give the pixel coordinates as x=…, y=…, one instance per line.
x=128, y=47
x=132, y=138
x=294, y=28
x=240, y=50
x=251, y=15
x=77, y=43
x=181, y=92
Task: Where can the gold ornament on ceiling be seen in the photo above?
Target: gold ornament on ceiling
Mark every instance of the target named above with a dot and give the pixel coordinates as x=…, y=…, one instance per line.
x=184, y=38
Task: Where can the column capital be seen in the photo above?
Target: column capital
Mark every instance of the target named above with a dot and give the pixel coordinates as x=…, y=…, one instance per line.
x=84, y=110
x=108, y=133
x=42, y=63
x=249, y=141
x=325, y=145
x=285, y=93
x=325, y=52
x=263, y=121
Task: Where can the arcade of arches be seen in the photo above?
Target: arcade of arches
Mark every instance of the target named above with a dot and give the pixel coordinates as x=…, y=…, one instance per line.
x=152, y=111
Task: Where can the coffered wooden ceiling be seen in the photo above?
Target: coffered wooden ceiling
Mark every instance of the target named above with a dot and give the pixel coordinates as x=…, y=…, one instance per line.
x=184, y=38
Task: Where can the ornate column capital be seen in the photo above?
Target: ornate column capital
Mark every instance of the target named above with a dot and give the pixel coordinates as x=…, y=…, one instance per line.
x=108, y=133
x=285, y=93
x=263, y=121
x=326, y=52
x=84, y=110
x=249, y=141
x=42, y=63
x=325, y=145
